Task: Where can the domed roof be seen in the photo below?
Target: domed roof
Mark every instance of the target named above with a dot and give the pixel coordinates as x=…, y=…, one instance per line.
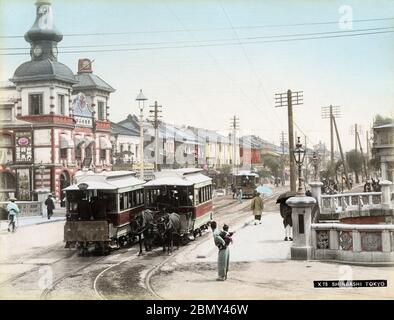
x=45, y=69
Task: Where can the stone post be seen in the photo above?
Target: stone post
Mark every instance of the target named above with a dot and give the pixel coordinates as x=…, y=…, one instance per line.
x=301, y=216
x=316, y=190
x=386, y=193
x=383, y=169
x=42, y=195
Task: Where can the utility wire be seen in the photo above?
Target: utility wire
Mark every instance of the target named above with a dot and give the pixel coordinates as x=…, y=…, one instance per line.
x=213, y=45
x=215, y=40
x=208, y=29
x=251, y=66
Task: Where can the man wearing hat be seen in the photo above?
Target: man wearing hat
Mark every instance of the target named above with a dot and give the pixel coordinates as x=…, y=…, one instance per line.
x=13, y=210
x=50, y=205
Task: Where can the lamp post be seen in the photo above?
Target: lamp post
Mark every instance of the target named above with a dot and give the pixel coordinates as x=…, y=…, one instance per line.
x=141, y=103
x=299, y=155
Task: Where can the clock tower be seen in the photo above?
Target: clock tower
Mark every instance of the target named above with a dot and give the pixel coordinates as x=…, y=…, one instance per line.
x=43, y=35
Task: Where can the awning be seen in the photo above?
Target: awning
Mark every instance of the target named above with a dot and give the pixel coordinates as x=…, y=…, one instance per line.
x=78, y=140
x=105, y=143
x=66, y=142
x=88, y=141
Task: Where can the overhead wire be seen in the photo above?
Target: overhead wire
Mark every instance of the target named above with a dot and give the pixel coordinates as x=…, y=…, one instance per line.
x=238, y=39
x=251, y=66
x=212, y=45
x=208, y=29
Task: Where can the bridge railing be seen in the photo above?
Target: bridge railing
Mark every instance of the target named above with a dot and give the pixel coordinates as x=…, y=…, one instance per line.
x=353, y=242
x=340, y=202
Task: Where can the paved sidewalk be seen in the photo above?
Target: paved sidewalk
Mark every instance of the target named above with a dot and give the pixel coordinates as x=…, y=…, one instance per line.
x=59, y=215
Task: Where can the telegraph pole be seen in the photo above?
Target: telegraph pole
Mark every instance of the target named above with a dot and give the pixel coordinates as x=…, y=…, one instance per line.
x=282, y=142
x=155, y=116
x=342, y=157
x=234, y=127
x=362, y=156
x=329, y=113
x=356, y=142
x=289, y=99
x=141, y=104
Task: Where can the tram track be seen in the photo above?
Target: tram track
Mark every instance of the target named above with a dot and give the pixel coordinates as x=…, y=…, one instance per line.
x=46, y=292
x=152, y=270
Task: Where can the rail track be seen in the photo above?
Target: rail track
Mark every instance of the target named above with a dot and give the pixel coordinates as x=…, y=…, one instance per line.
x=227, y=212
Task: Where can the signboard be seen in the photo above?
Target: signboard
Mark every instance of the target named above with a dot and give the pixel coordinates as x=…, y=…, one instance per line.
x=23, y=181
x=23, y=147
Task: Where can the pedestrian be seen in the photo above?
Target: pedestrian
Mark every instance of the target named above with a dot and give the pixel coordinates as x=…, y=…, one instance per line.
x=223, y=255
x=234, y=190
x=240, y=195
x=13, y=210
x=285, y=212
x=257, y=207
x=50, y=203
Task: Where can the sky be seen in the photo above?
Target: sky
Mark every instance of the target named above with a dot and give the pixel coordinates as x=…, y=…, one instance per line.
x=207, y=61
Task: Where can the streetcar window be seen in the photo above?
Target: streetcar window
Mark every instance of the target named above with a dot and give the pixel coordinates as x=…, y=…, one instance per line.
x=126, y=200
x=121, y=203
x=137, y=197
x=183, y=197
x=199, y=195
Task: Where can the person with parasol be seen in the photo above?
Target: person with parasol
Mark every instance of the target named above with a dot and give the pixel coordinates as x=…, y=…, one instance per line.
x=285, y=212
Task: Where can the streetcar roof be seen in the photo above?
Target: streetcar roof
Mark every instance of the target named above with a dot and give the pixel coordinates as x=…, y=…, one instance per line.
x=179, y=177
x=108, y=180
x=246, y=173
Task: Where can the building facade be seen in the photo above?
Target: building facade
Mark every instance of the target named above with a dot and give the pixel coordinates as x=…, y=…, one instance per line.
x=383, y=150
x=56, y=123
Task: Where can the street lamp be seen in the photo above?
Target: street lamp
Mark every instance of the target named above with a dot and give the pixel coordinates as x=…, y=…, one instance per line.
x=299, y=155
x=141, y=104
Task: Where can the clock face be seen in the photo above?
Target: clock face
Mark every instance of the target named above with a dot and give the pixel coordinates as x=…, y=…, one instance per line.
x=37, y=51
x=54, y=51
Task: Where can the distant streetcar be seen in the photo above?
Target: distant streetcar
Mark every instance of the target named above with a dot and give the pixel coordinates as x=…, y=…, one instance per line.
x=100, y=207
x=246, y=180
x=184, y=191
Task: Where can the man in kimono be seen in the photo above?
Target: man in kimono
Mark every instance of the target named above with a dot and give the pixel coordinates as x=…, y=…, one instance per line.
x=224, y=253
x=257, y=207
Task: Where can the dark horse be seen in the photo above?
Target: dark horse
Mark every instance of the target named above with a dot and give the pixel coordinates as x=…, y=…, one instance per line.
x=142, y=225
x=169, y=225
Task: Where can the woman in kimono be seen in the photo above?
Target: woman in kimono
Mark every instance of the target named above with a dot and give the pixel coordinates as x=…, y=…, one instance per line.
x=223, y=255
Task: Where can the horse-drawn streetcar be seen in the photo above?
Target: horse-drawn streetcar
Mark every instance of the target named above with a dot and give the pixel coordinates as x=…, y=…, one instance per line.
x=186, y=192
x=100, y=208
x=247, y=181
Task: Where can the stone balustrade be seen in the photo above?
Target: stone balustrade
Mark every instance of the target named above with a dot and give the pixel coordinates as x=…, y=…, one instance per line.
x=368, y=243
x=338, y=203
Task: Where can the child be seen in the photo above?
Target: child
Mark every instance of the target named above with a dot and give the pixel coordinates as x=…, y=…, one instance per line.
x=226, y=235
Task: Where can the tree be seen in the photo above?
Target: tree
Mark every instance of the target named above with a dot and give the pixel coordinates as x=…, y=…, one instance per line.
x=273, y=164
x=225, y=169
x=355, y=162
x=380, y=120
